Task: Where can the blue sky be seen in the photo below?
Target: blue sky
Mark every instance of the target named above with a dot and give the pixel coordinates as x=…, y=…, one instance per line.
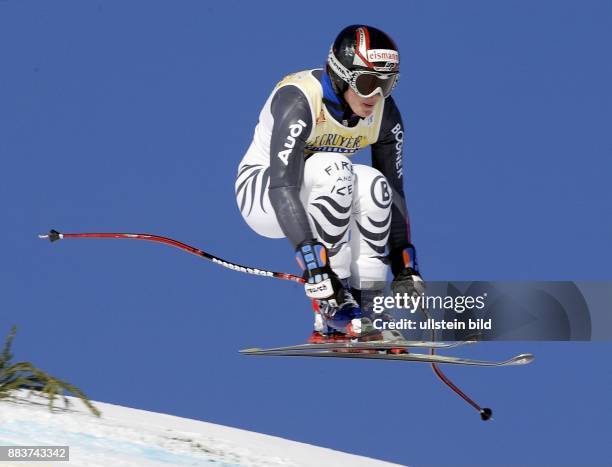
x=133, y=116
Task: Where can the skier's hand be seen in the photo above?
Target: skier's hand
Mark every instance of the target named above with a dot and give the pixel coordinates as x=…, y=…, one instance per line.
x=404, y=265
x=321, y=282
x=408, y=282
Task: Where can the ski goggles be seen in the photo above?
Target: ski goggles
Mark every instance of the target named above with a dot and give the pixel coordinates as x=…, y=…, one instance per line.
x=367, y=83
x=364, y=83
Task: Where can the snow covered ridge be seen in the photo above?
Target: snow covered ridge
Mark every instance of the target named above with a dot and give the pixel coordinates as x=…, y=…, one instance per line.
x=131, y=437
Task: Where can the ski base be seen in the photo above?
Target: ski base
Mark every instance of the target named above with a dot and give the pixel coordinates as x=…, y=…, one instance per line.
x=367, y=345
x=380, y=351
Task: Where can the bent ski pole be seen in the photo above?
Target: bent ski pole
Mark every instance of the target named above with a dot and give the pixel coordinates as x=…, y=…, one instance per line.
x=485, y=412
x=54, y=235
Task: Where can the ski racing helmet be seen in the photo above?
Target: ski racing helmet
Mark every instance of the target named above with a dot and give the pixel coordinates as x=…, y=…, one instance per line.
x=365, y=59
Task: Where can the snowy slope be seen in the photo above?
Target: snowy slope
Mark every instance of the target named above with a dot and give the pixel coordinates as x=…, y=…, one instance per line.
x=130, y=437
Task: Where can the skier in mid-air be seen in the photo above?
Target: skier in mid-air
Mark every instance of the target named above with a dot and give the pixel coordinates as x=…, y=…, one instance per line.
x=347, y=222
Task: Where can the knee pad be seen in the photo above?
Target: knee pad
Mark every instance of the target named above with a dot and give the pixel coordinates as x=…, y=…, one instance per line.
x=373, y=194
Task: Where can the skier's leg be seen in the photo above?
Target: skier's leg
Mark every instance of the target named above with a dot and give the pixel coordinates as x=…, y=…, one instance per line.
x=370, y=228
x=369, y=234
x=370, y=231
x=327, y=195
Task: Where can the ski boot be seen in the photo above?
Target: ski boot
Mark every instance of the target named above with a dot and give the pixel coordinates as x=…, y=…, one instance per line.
x=339, y=311
x=347, y=317
x=323, y=333
x=366, y=301
x=340, y=324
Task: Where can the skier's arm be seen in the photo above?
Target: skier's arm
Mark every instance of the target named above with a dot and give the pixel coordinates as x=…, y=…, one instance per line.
x=292, y=125
x=388, y=158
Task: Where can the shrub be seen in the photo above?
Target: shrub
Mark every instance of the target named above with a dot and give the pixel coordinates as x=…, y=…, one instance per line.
x=24, y=375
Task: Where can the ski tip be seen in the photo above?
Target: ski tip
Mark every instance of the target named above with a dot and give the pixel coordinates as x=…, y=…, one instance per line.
x=53, y=236
x=485, y=414
x=522, y=359
x=251, y=350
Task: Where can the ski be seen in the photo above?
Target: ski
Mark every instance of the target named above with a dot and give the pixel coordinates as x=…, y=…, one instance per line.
x=521, y=359
x=367, y=345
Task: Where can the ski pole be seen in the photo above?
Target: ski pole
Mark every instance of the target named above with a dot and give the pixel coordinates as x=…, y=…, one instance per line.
x=54, y=235
x=485, y=412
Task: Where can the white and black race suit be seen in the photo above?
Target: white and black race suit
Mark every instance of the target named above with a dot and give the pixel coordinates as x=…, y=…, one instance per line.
x=296, y=180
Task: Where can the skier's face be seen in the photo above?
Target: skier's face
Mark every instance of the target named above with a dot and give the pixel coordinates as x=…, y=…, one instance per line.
x=361, y=106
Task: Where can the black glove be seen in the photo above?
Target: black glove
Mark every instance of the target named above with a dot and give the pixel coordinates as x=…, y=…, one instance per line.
x=321, y=282
x=407, y=280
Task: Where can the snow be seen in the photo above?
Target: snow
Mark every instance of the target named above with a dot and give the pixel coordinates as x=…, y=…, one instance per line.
x=131, y=437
